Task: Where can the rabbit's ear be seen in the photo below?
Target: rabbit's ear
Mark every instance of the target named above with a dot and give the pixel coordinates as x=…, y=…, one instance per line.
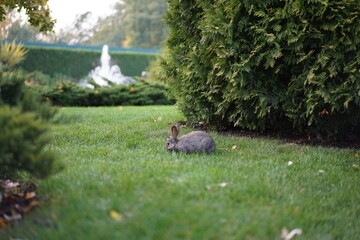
x=174, y=131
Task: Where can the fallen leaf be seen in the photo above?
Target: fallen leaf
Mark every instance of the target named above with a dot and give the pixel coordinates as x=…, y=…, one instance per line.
x=169, y=123
x=120, y=108
x=290, y=163
x=233, y=147
x=32, y=205
x=209, y=188
x=14, y=217
x=9, y=184
x=224, y=184
x=286, y=235
x=30, y=195
x=2, y=223
x=115, y=215
x=356, y=155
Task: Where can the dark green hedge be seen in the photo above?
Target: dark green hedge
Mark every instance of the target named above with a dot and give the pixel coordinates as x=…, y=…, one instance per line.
x=78, y=63
x=266, y=64
x=140, y=93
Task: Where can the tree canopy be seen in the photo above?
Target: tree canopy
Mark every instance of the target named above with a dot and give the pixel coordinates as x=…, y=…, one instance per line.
x=37, y=11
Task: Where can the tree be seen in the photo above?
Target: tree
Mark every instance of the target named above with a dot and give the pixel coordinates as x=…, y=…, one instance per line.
x=143, y=21
x=37, y=11
x=134, y=23
x=80, y=32
x=21, y=32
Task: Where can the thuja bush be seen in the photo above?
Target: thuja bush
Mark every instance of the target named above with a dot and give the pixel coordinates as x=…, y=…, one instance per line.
x=140, y=93
x=24, y=122
x=266, y=64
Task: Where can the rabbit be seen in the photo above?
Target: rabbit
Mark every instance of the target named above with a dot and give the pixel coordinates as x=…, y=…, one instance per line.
x=197, y=141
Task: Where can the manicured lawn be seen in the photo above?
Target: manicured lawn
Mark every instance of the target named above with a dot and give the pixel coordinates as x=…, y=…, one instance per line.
x=120, y=183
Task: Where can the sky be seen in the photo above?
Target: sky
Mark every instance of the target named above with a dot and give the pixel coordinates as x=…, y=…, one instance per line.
x=65, y=11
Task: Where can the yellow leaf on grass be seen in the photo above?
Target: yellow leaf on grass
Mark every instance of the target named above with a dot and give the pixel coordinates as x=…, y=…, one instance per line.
x=120, y=108
x=30, y=195
x=2, y=224
x=115, y=215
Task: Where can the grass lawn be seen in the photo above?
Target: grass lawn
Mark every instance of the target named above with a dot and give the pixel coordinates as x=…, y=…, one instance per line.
x=120, y=183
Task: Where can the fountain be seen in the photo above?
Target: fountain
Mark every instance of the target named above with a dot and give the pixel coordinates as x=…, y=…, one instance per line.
x=105, y=74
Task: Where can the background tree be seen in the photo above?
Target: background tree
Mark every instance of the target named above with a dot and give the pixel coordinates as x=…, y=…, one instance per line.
x=37, y=11
x=143, y=21
x=79, y=33
x=135, y=23
x=22, y=32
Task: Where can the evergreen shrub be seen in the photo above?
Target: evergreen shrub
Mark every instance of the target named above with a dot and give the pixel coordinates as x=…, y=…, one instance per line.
x=23, y=125
x=139, y=93
x=266, y=64
x=78, y=63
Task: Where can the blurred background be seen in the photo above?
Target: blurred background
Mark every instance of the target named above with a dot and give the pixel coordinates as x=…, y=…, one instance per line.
x=117, y=23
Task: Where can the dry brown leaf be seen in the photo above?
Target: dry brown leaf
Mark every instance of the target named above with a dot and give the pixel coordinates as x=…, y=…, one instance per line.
x=30, y=195
x=209, y=188
x=32, y=205
x=2, y=223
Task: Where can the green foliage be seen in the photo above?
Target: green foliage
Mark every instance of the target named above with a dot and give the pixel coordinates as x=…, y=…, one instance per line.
x=266, y=64
x=37, y=11
x=141, y=93
x=12, y=53
x=78, y=63
x=23, y=123
x=143, y=22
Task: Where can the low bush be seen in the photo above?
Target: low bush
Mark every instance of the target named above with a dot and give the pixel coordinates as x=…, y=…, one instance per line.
x=24, y=120
x=140, y=93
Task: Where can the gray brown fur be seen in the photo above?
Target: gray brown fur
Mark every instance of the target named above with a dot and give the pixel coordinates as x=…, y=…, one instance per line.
x=197, y=141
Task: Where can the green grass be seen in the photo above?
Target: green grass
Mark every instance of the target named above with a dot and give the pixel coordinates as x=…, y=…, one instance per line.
x=116, y=160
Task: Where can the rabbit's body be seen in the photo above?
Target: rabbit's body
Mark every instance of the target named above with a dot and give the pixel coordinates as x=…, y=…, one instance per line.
x=197, y=141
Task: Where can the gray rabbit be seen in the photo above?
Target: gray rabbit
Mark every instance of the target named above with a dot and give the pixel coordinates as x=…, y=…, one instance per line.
x=197, y=141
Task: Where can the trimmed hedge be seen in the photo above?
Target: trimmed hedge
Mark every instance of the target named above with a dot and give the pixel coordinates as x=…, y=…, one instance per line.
x=140, y=93
x=78, y=63
x=268, y=64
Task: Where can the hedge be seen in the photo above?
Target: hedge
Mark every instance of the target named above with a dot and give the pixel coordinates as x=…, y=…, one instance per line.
x=268, y=64
x=138, y=94
x=78, y=63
